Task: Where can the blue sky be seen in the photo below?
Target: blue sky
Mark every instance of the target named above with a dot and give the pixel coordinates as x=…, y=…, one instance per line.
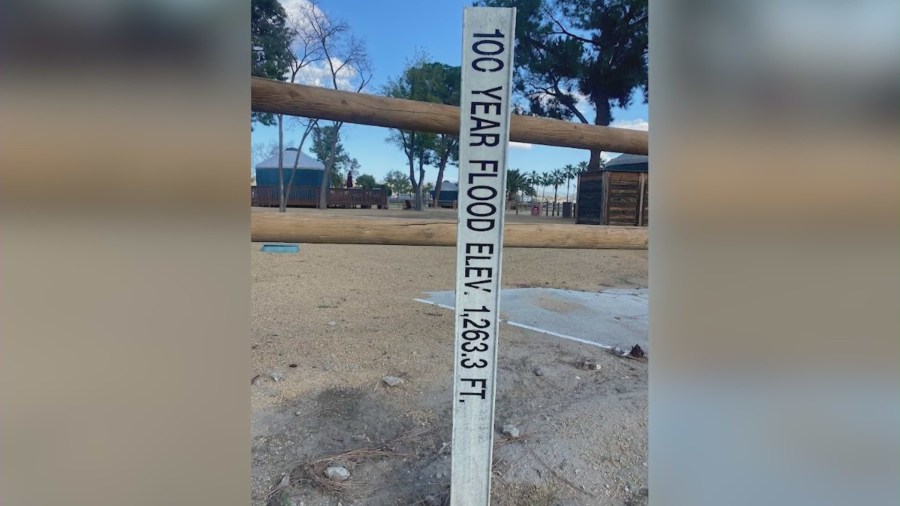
x=394, y=30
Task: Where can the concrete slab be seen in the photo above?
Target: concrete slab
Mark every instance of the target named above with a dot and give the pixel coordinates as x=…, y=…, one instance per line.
x=615, y=317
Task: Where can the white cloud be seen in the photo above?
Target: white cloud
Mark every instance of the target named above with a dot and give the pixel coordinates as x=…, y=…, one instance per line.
x=582, y=103
x=296, y=9
x=632, y=124
x=319, y=74
x=520, y=145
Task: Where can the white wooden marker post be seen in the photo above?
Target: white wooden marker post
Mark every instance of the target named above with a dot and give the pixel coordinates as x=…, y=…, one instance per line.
x=487, y=64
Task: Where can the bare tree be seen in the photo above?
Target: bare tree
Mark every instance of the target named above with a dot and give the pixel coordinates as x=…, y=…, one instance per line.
x=260, y=152
x=305, y=51
x=345, y=66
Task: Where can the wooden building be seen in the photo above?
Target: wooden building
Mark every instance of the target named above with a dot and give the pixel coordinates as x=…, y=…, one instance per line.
x=615, y=195
x=305, y=188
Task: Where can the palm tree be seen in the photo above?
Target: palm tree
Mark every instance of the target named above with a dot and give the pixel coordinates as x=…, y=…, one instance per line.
x=534, y=179
x=569, y=171
x=542, y=180
x=546, y=180
x=517, y=182
x=557, y=178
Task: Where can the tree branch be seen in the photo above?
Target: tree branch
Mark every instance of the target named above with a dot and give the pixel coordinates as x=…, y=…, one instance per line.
x=563, y=29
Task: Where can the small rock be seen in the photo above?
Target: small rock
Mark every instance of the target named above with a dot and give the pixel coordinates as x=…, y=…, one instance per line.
x=431, y=500
x=337, y=473
x=297, y=413
x=276, y=376
x=285, y=481
x=510, y=430
x=620, y=389
x=293, y=366
x=392, y=381
x=619, y=352
x=588, y=364
x=636, y=352
x=538, y=371
x=332, y=323
x=255, y=379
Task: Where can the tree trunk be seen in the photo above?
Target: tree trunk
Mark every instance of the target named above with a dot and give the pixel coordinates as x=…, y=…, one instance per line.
x=555, y=210
x=603, y=118
x=411, y=158
x=287, y=189
x=282, y=205
x=437, y=190
x=568, y=182
x=594, y=162
x=326, y=174
x=419, y=200
x=440, y=179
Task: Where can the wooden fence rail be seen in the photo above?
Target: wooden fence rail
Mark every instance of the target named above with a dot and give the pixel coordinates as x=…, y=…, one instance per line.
x=313, y=102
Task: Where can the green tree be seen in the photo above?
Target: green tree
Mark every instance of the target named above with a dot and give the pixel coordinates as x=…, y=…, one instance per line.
x=444, y=83
x=336, y=180
x=366, y=181
x=385, y=187
x=542, y=181
x=352, y=167
x=414, y=84
x=434, y=82
x=270, y=41
x=327, y=146
x=535, y=180
x=557, y=178
x=343, y=167
x=569, y=52
x=398, y=182
x=517, y=182
x=569, y=172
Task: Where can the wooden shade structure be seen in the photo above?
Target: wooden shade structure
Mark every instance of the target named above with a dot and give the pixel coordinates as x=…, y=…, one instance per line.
x=616, y=195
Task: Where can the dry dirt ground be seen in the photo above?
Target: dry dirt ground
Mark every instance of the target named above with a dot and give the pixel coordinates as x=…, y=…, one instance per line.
x=331, y=321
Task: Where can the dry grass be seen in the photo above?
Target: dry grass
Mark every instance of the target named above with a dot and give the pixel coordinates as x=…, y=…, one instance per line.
x=313, y=471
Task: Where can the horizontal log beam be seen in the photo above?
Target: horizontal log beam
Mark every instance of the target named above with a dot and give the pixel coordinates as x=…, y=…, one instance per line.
x=314, y=102
x=304, y=228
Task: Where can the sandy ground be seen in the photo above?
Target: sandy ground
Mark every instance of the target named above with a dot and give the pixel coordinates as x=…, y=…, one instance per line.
x=334, y=319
